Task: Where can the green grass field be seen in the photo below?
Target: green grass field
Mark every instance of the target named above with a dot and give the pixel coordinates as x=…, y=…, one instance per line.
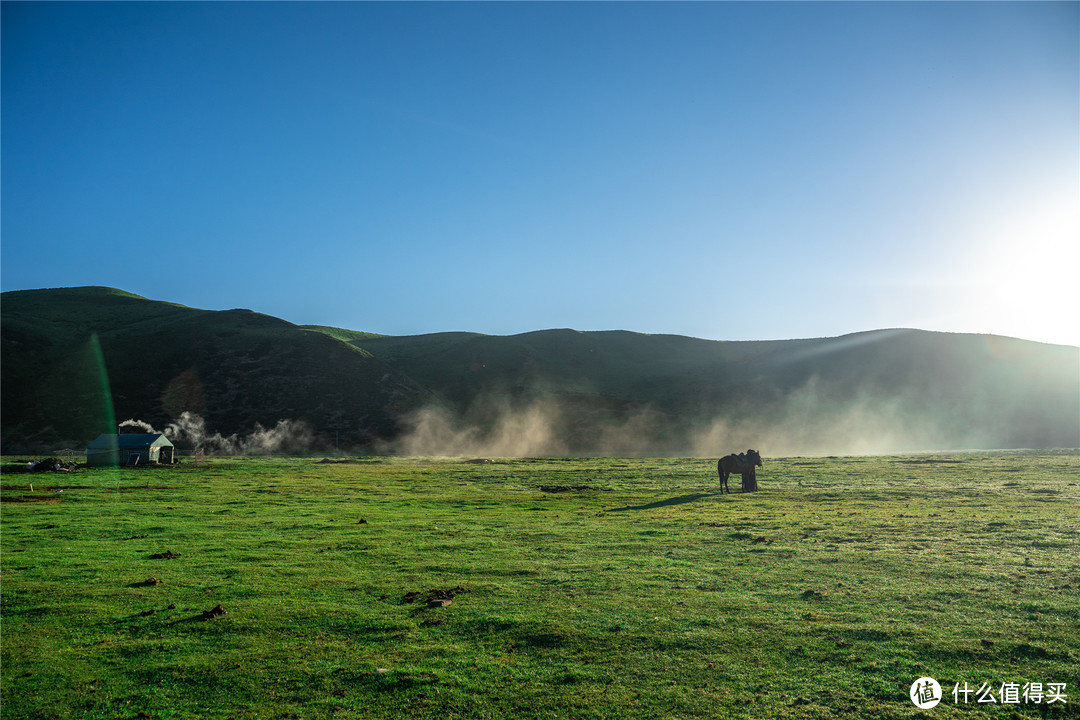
x=587, y=588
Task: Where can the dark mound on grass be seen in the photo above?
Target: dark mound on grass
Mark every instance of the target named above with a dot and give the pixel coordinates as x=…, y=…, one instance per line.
x=217, y=611
x=435, y=597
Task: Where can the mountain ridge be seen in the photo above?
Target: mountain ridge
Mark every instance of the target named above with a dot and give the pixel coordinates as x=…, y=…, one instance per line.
x=555, y=391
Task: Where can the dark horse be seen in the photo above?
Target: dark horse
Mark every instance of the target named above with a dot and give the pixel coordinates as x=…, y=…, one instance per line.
x=743, y=464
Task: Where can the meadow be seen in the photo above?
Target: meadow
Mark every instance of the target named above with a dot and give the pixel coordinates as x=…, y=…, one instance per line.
x=542, y=588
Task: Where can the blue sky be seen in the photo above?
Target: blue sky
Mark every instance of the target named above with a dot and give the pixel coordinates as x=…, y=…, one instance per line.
x=721, y=170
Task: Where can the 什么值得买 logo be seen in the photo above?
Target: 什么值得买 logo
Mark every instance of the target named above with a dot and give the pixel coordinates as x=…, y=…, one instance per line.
x=925, y=693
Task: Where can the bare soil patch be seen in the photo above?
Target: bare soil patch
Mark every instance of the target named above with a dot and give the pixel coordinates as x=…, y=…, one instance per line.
x=32, y=498
x=435, y=597
x=217, y=611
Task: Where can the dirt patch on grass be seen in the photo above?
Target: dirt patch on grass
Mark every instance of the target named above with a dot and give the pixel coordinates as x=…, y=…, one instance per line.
x=435, y=597
x=31, y=498
x=217, y=611
x=930, y=461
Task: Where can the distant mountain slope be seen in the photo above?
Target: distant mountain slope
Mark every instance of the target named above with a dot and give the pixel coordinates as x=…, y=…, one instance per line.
x=234, y=368
x=877, y=391
x=546, y=392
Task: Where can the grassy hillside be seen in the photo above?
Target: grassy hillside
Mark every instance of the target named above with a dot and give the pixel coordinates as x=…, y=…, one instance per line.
x=872, y=392
x=550, y=392
x=233, y=368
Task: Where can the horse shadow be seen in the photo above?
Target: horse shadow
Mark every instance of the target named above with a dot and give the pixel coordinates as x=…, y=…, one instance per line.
x=693, y=497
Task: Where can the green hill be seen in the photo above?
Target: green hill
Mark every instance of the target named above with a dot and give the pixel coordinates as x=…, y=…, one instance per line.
x=539, y=393
x=626, y=393
x=232, y=368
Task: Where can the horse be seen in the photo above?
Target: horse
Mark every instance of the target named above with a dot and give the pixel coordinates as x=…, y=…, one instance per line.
x=742, y=464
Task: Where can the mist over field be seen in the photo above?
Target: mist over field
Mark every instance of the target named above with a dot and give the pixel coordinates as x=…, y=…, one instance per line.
x=808, y=422
x=497, y=428
x=562, y=392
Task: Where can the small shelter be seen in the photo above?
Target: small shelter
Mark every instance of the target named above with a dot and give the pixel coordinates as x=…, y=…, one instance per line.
x=130, y=449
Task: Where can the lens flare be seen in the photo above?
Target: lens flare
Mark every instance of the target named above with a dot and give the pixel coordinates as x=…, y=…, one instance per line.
x=109, y=414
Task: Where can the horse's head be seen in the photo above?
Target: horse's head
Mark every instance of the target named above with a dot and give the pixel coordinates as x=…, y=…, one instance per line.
x=753, y=457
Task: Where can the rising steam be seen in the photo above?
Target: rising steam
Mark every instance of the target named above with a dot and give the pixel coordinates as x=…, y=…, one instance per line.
x=137, y=426
x=288, y=437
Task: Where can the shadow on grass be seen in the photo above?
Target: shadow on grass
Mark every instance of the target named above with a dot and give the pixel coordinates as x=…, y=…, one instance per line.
x=664, y=503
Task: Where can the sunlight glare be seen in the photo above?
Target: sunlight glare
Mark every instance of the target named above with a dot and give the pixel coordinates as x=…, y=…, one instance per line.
x=1023, y=280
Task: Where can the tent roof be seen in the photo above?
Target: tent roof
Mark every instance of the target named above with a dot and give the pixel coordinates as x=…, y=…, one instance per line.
x=129, y=441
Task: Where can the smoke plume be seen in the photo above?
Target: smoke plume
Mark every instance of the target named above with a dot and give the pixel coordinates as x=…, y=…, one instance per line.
x=285, y=438
x=137, y=426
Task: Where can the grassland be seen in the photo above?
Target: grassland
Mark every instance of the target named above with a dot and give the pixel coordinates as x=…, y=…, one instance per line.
x=587, y=588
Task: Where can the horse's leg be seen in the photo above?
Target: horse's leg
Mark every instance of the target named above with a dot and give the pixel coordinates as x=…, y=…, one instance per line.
x=723, y=481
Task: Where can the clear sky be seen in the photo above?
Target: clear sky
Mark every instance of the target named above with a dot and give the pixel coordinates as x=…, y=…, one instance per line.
x=728, y=171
